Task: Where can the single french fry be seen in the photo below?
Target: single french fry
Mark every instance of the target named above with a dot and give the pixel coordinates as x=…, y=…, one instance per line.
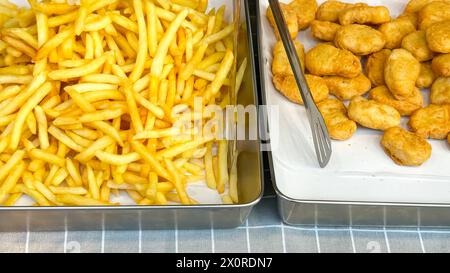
x=164, y=44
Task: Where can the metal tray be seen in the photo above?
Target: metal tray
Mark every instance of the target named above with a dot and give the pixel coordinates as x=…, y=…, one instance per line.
x=345, y=213
x=250, y=186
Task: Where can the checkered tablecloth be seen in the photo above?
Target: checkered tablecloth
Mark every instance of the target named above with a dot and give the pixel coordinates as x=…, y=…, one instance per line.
x=263, y=232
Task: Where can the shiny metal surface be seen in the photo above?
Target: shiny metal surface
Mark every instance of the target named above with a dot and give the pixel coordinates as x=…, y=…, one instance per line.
x=322, y=141
x=250, y=182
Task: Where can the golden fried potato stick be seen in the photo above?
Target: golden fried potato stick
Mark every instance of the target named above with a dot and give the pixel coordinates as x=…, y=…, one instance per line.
x=11, y=181
x=26, y=109
x=164, y=43
x=80, y=71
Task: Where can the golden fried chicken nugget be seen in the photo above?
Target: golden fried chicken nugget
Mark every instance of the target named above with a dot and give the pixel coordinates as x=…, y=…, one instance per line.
x=426, y=76
x=441, y=65
x=412, y=17
x=432, y=121
x=347, y=88
x=375, y=66
x=324, y=30
x=280, y=63
x=416, y=43
x=305, y=11
x=448, y=138
x=329, y=10
x=395, y=30
x=288, y=87
x=414, y=6
x=327, y=60
x=372, y=114
x=359, y=39
x=404, y=107
x=440, y=91
x=401, y=73
x=334, y=113
x=405, y=148
x=289, y=16
x=434, y=12
x=374, y=15
x=438, y=37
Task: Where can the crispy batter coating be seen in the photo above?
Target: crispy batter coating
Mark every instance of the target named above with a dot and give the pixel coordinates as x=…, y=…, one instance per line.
x=324, y=30
x=373, y=15
x=434, y=12
x=416, y=43
x=426, y=76
x=372, y=114
x=288, y=87
x=327, y=60
x=395, y=30
x=448, y=138
x=401, y=73
x=289, y=16
x=441, y=65
x=440, y=91
x=432, y=121
x=375, y=66
x=347, y=88
x=359, y=39
x=412, y=17
x=305, y=11
x=280, y=63
x=404, y=107
x=438, y=37
x=334, y=113
x=405, y=148
x=414, y=6
x=329, y=10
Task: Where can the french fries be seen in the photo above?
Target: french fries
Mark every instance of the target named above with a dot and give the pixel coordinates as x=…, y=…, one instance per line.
x=95, y=98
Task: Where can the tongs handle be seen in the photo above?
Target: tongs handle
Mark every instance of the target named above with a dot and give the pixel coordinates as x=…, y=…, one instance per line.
x=322, y=142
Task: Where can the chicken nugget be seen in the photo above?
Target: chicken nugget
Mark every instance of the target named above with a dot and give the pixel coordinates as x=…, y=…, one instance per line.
x=440, y=91
x=438, y=37
x=289, y=16
x=414, y=6
x=412, y=17
x=329, y=10
x=426, y=76
x=405, y=148
x=327, y=60
x=305, y=11
x=374, y=15
x=359, y=39
x=288, y=87
x=334, y=113
x=432, y=13
x=280, y=63
x=324, y=30
x=347, y=88
x=372, y=114
x=441, y=65
x=432, y=121
x=395, y=30
x=416, y=43
x=401, y=73
x=375, y=66
x=404, y=107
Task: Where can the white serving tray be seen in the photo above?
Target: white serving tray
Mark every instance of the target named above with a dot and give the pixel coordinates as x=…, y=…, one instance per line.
x=359, y=170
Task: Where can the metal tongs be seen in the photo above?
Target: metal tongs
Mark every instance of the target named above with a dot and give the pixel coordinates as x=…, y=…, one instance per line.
x=322, y=142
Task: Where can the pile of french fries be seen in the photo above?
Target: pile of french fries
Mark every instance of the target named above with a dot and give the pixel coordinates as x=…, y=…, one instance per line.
x=92, y=94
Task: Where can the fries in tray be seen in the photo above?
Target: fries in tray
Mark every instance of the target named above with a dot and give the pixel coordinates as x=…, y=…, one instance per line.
x=105, y=96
